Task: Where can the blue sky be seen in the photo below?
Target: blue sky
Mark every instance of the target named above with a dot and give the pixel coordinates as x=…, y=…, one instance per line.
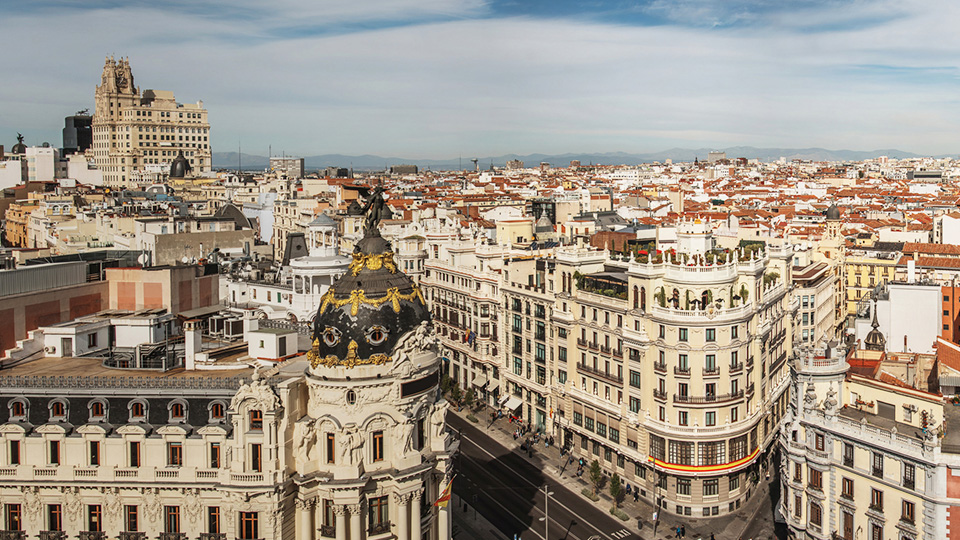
x=442, y=78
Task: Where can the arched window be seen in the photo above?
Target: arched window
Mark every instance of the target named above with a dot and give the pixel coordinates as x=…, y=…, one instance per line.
x=98, y=411
x=18, y=409
x=636, y=297
x=178, y=410
x=58, y=410
x=643, y=298
x=138, y=411
x=217, y=411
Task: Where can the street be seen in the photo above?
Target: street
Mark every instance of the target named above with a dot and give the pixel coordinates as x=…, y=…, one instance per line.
x=505, y=488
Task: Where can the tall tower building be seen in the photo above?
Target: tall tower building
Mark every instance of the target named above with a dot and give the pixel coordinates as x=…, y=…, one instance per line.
x=136, y=136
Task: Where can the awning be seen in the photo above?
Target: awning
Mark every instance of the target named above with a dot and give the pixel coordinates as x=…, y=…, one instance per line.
x=481, y=381
x=512, y=403
x=504, y=399
x=200, y=312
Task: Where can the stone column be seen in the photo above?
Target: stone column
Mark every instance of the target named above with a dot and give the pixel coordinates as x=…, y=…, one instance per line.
x=403, y=516
x=305, y=510
x=415, y=533
x=443, y=523
x=356, y=522
x=340, y=513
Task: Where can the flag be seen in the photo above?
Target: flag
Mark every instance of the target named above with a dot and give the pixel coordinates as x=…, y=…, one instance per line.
x=445, y=495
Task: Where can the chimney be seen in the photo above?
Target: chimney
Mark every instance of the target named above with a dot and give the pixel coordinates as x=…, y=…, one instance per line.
x=192, y=342
x=912, y=270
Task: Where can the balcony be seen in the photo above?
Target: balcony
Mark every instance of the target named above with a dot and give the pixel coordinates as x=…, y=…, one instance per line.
x=848, y=461
x=12, y=535
x=736, y=368
x=593, y=346
x=52, y=535
x=750, y=389
x=607, y=376
x=634, y=355
x=133, y=535
x=379, y=528
x=749, y=362
x=657, y=394
x=660, y=367
x=213, y=536
x=92, y=535
x=877, y=472
x=605, y=349
x=697, y=400
x=328, y=531
x=909, y=483
x=876, y=508
x=684, y=371
x=172, y=536
x=618, y=353
x=710, y=372
x=581, y=342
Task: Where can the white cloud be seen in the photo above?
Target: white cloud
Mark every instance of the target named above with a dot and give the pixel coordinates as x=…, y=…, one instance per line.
x=479, y=86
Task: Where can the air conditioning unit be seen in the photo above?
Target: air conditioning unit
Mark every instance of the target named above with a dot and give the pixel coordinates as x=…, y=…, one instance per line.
x=49, y=349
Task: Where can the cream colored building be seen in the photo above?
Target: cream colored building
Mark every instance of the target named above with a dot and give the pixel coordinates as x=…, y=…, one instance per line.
x=673, y=370
x=136, y=133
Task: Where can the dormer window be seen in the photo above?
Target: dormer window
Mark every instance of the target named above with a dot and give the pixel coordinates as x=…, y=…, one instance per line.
x=178, y=412
x=58, y=411
x=217, y=412
x=18, y=410
x=98, y=411
x=138, y=411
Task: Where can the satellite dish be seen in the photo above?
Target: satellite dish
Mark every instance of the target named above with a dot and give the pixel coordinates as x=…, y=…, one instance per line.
x=143, y=259
x=185, y=260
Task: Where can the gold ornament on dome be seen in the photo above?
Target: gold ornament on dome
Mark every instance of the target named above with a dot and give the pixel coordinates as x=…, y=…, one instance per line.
x=350, y=361
x=373, y=261
x=357, y=297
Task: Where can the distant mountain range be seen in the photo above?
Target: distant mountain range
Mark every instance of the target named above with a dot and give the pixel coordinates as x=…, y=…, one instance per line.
x=229, y=160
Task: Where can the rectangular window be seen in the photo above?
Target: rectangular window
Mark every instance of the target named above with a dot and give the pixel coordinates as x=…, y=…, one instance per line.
x=379, y=515
x=710, y=418
x=663, y=331
x=816, y=478
x=683, y=334
x=876, y=500
x=710, y=363
x=634, y=378
x=816, y=514
x=54, y=517
x=818, y=441
x=248, y=526
x=171, y=519
x=711, y=487
x=562, y=376
x=577, y=418
x=14, y=522
x=682, y=418
x=908, y=512
x=14, y=452
x=213, y=519
x=134, y=453
x=256, y=458
x=877, y=465
x=133, y=522
x=588, y=423
x=634, y=404
x=562, y=354
x=683, y=486
x=846, y=489
x=94, y=452
x=378, y=446
x=517, y=366
x=601, y=429
x=256, y=419
x=214, y=455
x=711, y=334
x=175, y=454
x=734, y=331
x=848, y=454
x=94, y=518
x=909, y=475
x=615, y=435
x=734, y=480
x=54, y=452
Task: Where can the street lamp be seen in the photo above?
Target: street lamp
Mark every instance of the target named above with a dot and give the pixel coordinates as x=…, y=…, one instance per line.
x=546, y=511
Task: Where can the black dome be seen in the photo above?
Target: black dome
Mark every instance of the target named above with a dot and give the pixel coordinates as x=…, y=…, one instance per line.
x=180, y=166
x=833, y=212
x=367, y=310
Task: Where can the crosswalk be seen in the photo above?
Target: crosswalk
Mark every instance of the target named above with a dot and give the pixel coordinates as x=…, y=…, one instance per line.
x=621, y=534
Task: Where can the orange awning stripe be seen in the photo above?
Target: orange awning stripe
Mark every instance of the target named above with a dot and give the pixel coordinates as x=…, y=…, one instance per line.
x=704, y=468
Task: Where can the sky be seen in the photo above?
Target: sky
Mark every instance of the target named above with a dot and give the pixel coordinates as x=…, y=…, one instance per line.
x=434, y=79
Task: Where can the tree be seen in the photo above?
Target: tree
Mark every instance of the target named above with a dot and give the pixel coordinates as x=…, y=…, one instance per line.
x=456, y=395
x=616, y=490
x=596, y=476
x=469, y=398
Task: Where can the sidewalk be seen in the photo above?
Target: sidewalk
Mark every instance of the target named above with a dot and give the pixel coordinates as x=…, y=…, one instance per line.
x=726, y=527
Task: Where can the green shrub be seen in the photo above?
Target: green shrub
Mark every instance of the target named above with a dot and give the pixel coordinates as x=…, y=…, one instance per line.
x=472, y=418
x=619, y=513
x=589, y=494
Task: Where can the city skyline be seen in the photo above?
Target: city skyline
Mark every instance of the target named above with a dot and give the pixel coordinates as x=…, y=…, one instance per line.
x=448, y=77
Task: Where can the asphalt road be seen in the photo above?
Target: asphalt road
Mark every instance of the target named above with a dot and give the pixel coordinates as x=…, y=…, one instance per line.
x=505, y=488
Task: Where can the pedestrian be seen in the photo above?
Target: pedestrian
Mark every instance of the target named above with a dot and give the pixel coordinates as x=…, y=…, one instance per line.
x=636, y=496
x=683, y=531
x=712, y=537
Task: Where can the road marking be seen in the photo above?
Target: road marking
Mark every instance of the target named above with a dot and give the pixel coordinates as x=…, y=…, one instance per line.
x=520, y=519
x=521, y=477
x=622, y=533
